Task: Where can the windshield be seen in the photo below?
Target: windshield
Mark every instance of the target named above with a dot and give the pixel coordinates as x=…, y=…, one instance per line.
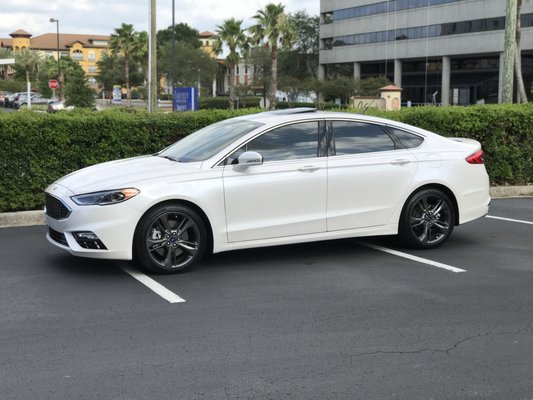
x=207, y=142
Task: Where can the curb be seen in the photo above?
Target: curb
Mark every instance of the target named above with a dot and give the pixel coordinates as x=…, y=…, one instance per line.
x=30, y=218
x=21, y=218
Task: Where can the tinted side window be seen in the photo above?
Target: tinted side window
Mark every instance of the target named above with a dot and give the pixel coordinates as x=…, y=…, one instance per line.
x=358, y=137
x=409, y=140
x=288, y=142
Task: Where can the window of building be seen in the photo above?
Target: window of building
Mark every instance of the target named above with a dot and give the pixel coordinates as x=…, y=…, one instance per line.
x=421, y=32
x=77, y=55
x=91, y=80
x=91, y=69
x=91, y=56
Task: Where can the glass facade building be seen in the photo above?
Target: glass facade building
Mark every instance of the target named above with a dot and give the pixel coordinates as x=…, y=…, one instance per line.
x=448, y=51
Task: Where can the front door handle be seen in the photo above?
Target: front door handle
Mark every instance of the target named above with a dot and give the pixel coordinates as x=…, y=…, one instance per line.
x=308, y=168
x=401, y=161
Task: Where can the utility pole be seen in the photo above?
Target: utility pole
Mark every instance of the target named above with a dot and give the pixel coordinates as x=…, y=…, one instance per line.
x=152, y=62
x=173, y=52
x=509, y=52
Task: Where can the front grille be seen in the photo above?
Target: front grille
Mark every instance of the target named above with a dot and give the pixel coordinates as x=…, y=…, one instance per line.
x=57, y=237
x=55, y=208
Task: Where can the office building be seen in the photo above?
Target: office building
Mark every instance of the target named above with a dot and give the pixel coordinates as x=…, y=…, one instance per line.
x=443, y=51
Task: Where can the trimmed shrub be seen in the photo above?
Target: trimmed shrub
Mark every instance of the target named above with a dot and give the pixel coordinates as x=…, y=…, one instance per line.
x=222, y=102
x=37, y=148
x=504, y=131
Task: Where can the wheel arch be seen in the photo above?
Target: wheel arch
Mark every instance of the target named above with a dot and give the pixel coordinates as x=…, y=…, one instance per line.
x=444, y=189
x=193, y=206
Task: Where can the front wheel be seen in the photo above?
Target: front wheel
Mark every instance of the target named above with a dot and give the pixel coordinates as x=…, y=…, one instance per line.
x=427, y=219
x=170, y=239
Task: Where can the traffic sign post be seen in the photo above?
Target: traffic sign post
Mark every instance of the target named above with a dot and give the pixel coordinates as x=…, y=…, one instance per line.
x=53, y=84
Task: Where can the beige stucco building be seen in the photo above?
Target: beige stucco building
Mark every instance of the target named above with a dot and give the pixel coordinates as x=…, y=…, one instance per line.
x=87, y=50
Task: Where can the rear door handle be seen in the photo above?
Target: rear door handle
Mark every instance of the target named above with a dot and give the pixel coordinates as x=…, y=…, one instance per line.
x=308, y=168
x=401, y=161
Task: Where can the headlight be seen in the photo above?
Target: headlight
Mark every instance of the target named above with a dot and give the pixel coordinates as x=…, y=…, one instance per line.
x=105, y=198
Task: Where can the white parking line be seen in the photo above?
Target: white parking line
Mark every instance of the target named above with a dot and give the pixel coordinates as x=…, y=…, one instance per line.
x=411, y=257
x=156, y=287
x=510, y=219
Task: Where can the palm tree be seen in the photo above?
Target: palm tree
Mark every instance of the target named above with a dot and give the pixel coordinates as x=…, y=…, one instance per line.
x=231, y=34
x=140, y=52
x=28, y=61
x=123, y=41
x=522, y=96
x=273, y=27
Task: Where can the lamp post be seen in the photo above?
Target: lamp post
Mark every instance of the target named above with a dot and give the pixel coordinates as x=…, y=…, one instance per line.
x=56, y=20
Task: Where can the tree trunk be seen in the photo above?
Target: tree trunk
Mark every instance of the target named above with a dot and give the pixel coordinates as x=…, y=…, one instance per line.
x=509, y=52
x=274, y=79
x=521, y=89
x=231, y=87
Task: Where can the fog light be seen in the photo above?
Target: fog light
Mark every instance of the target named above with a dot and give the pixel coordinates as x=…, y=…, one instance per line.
x=85, y=235
x=89, y=240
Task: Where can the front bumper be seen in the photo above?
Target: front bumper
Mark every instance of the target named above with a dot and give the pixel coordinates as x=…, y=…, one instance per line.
x=114, y=225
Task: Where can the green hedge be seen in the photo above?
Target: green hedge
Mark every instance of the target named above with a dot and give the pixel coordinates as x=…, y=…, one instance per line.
x=38, y=148
x=222, y=102
x=505, y=132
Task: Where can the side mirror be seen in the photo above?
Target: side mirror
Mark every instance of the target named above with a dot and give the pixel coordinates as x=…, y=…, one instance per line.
x=247, y=159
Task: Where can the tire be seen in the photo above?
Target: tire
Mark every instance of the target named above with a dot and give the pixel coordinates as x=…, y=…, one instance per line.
x=169, y=239
x=427, y=219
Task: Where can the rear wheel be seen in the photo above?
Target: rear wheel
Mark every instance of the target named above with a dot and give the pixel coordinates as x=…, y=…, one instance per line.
x=170, y=239
x=427, y=219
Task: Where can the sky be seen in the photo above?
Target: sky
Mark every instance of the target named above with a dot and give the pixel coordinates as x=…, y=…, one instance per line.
x=102, y=16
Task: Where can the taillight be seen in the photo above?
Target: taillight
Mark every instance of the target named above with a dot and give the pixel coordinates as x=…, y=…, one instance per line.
x=477, y=158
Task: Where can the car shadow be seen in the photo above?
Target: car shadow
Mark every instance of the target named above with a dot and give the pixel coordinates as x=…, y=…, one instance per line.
x=65, y=263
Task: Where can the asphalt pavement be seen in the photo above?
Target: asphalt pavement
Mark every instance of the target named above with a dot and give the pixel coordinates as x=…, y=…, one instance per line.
x=328, y=320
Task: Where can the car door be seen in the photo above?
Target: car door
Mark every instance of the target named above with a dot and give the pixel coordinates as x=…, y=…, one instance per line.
x=286, y=194
x=369, y=172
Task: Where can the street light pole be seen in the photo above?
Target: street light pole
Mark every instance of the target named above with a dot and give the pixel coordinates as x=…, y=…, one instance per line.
x=56, y=20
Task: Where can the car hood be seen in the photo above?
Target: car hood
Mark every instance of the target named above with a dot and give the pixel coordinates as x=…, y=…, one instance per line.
x=123, y=173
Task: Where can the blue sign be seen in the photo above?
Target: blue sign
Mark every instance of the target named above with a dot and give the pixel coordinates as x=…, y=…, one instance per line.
x=185, y=99
x=117, y=94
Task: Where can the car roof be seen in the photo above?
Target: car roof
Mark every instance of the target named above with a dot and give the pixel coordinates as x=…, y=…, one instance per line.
x=304, y=113
x=279, y=117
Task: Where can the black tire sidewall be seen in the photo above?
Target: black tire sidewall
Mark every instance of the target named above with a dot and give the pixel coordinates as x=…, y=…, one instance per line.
x=404, y=230
x=140, y=252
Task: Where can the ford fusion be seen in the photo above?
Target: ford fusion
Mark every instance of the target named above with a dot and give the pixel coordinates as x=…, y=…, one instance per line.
x=269, y=179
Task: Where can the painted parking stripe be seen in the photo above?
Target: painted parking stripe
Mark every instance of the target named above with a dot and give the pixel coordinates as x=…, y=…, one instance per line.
x=510, y=219
x=156, y=287
x=411, y=257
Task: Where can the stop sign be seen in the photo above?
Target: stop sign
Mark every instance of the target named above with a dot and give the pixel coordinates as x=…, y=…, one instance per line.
x=53, y=84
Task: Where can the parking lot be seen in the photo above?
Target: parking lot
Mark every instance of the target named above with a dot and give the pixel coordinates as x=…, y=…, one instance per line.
x=347, y=319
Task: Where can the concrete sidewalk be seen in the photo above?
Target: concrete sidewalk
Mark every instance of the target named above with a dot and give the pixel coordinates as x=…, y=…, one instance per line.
x=27, y=218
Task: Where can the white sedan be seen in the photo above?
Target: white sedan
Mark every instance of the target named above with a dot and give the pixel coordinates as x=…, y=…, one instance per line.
x=269, y=179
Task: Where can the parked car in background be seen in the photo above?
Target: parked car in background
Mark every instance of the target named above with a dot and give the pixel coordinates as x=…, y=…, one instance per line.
x=10, y=99
x=3, y=95
x=55, y=106
x=36, y=98
x=268, y=179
